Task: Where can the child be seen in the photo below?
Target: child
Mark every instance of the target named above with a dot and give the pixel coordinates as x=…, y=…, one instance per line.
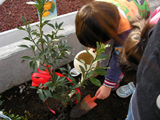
x=103, y=20
x=127, y=90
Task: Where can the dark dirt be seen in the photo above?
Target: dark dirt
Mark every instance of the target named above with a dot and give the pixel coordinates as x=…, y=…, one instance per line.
x=28, y=102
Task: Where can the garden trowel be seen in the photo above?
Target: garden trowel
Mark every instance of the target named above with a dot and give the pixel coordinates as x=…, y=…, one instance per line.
x=83, y=107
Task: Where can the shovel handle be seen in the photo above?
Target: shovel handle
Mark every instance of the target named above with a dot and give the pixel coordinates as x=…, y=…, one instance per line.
x=94, y=98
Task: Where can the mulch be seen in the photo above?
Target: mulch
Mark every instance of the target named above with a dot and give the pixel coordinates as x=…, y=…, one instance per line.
x=11, y=11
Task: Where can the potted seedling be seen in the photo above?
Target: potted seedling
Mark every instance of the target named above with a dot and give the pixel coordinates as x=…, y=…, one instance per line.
x=49, y=51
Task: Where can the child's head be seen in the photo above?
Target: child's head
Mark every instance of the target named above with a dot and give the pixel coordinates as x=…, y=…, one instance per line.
x=96, y=22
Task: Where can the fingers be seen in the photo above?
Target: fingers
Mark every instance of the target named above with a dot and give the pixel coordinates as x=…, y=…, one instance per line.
x=93, y=49
x=103, y=92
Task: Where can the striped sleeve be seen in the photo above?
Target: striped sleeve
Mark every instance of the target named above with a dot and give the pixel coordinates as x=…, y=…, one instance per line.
x=109, y=83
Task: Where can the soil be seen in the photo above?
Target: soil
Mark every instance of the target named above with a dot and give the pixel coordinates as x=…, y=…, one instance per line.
x=28, y=102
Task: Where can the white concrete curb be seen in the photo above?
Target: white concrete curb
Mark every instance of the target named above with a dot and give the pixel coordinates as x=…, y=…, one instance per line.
x=1, y=1
x=14, y=71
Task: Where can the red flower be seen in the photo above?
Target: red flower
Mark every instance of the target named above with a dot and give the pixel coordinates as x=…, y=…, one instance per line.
x=44, y=76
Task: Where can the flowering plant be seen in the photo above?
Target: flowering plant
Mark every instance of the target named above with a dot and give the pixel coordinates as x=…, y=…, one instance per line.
x=49, y=50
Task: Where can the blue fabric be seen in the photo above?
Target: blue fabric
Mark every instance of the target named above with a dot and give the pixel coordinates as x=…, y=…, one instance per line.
x=115, y=71
x=130, y=113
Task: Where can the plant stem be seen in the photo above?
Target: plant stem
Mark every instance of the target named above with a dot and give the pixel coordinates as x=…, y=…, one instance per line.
x=42, y=46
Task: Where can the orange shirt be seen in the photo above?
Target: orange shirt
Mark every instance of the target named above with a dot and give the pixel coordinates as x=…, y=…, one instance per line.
x=130, y=8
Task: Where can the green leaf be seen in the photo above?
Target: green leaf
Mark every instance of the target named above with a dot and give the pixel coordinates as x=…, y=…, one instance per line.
x=29, y=22
x=78, y=96
x=35, y=33
x=90, y=55
x=95, y=81
x=52, y=65
x=68, y=67
x=48, y=84
x=21, y=28
x=46, y=38
x=29, y=29
x=55, y=78
x=90, y=74
x=107, y=45
x=33, y=47
x=25, y=46
x=38, y=63
x=59, y=26
x=41, y=41
x=47, y=93
x=23, y=19
x=38, y=7
x=55, y=96
x=39, y=1
x=26, y=58
x=52, y=88
x=67, y=99
x=31, y=64
x=46, y=21
x=33, y=87
x=53, y=7
x=101, y=71
x=102, y=57
x=42, y=95
x=34, y=66
x=81, y=60
x=82, y=69
x=60, y=36
x=68, y=47
x=63, y=69
x=61, y=79
x=41, y=53
x=26, y=38
x=56, y=25
x=51, y=25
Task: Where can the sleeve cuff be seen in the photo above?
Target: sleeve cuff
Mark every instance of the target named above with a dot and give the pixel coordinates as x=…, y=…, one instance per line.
x=109, y=83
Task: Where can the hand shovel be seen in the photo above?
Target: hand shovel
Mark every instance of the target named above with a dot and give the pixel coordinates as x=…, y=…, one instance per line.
x=83, y=107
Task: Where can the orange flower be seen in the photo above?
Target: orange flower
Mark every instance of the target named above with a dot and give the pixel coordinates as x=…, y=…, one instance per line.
x=47, y=6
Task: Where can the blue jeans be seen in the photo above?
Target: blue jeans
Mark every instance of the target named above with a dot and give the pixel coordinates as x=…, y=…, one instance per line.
x=130, y=113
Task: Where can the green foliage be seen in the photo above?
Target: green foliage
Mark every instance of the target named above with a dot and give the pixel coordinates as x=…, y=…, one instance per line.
x=0, y=100
x=91, y=72
x=13, y=116
x=49, y=50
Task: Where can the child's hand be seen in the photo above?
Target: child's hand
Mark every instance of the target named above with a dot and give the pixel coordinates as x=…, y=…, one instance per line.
x=93, y=49
x=103, y=92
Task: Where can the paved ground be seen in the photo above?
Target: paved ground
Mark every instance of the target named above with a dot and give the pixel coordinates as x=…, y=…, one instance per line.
x=154, y=4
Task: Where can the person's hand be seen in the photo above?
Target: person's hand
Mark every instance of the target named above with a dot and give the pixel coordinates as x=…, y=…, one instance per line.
x=103, y=92
x=93, y=49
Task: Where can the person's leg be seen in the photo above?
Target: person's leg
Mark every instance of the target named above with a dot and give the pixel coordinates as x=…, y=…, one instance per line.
x=130, y=113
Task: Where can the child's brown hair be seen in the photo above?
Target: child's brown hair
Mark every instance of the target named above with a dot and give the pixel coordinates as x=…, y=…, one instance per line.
x=134, y=47
x=97, y=22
